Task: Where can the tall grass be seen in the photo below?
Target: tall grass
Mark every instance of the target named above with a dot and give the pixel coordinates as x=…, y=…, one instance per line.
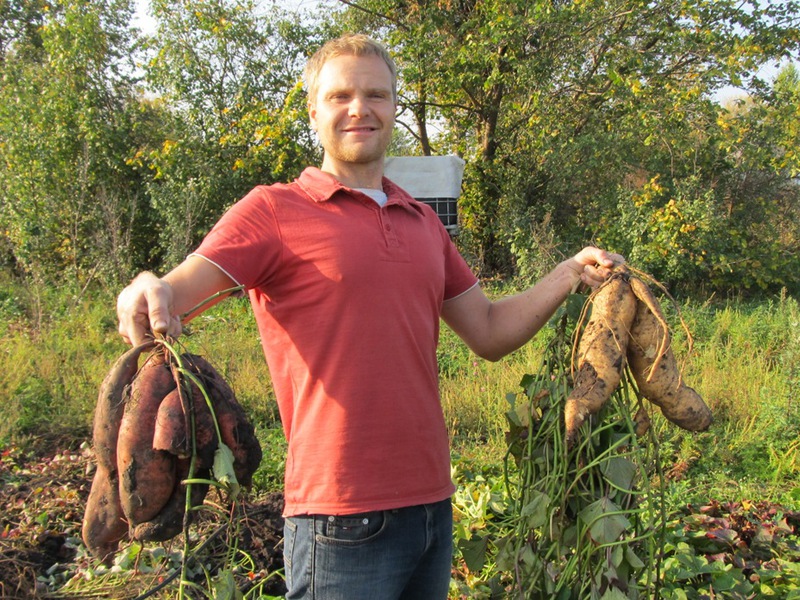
x=744, y=360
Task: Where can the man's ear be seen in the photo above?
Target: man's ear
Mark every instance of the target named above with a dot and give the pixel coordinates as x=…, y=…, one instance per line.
x=312, y=116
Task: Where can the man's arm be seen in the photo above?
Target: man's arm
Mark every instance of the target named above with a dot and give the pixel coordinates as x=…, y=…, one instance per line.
x=494, y=329
x=150, y=304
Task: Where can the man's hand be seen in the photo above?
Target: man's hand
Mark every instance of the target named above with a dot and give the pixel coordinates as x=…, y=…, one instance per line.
x=144, y=308
x=594, y=265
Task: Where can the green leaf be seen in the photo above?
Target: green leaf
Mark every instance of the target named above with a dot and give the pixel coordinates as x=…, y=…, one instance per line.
x=223, y=470
x=619, y=471
x=604, y=520
x=504, y=557
x=536, y=511
x=474, y=552
x=225, y=587
x=633, y=560
x=613, y=594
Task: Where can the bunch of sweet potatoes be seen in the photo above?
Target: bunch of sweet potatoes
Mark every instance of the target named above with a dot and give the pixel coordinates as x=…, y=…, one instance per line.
x=627, y=327
x=149, y=423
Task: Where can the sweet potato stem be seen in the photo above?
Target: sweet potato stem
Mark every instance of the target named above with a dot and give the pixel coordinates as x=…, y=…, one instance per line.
x=183, y=373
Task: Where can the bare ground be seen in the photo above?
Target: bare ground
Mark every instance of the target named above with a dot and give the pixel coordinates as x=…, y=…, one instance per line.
x=43, y=490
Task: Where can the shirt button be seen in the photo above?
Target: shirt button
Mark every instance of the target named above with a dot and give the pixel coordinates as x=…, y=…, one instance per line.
x=388, y=228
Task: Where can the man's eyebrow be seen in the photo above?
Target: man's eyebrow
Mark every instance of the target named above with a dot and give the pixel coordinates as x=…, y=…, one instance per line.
x=379, y=90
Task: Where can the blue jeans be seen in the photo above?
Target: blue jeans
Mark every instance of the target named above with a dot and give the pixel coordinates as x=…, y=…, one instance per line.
x=402, y=554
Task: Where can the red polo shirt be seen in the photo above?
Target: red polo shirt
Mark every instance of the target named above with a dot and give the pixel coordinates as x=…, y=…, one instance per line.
x=347, y=297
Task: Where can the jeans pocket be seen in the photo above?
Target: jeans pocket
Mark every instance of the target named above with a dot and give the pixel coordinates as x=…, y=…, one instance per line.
x=289, y=540
x=349, y=528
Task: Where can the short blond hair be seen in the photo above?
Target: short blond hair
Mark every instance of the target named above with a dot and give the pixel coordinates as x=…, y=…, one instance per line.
x=349, y=44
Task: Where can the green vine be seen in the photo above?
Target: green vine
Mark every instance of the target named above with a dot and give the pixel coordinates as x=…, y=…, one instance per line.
x=587, y=522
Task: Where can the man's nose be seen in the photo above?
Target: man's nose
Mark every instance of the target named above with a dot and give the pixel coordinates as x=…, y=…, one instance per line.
x=359, y=107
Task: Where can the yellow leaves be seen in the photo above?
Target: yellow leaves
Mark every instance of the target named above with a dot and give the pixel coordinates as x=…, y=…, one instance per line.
x=168, y=145
x=137, y=160
x=651, y=191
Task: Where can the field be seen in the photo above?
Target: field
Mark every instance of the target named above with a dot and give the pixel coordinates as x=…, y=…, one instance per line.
x=727, y=526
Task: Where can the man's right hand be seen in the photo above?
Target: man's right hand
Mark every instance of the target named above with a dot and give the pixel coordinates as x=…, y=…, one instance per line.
x=144, y=308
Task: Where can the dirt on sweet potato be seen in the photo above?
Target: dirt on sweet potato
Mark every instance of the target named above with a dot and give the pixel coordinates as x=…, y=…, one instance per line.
x=601, y=355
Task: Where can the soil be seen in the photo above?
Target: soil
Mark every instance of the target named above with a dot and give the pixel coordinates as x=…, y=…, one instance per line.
x=43, y=493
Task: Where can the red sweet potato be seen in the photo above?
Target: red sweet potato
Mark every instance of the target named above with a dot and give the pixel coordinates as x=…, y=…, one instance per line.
x=169, y=521
x=171, y=432
x=147, y=476
x=104, y=523
x=236, y=430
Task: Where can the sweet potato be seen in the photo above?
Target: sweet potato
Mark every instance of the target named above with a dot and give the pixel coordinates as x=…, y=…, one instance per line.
x=103, y=522
x=143, y=435
x=236, y=430
x=655, y=369
x=171, y=432
x=641, y=421
x=169, y=521
x=601, y=352
x=147, y=476
x=110, y=406
x=174, y=424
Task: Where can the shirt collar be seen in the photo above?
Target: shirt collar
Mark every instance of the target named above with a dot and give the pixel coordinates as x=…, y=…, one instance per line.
x=321, y=187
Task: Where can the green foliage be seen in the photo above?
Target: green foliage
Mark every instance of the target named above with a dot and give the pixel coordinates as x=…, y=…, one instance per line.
x=269, y=475
x=235, y=120
x=744, y=362
x=731, y=550
x=99, y=178
x=674, y=233
x=481, y=519
x=57, y=348
x=67, y=199
x=566, y=110
x=586, y=520
x=580, y=122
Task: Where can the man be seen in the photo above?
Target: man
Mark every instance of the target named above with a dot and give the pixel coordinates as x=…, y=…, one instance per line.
x=348, y=277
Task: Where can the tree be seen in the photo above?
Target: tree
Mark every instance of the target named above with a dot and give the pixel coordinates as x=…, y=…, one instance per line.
x=67, y=105
x=557, y=105
x=231, y=81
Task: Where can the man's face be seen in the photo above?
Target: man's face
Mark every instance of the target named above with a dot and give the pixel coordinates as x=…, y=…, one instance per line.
x=353, y=109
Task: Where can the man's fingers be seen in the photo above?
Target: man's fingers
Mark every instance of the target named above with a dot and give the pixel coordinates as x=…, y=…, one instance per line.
x=159, y=308
x=145, y=308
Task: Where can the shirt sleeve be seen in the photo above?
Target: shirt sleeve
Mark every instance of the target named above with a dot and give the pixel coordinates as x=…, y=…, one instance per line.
x=245, y=242
x=459, y=278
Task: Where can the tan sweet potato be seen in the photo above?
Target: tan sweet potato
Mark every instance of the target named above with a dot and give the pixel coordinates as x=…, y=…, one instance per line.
x=104, y=523
x=601, y=354
x=641, y=421
x=147, y=476
x=655, y=369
